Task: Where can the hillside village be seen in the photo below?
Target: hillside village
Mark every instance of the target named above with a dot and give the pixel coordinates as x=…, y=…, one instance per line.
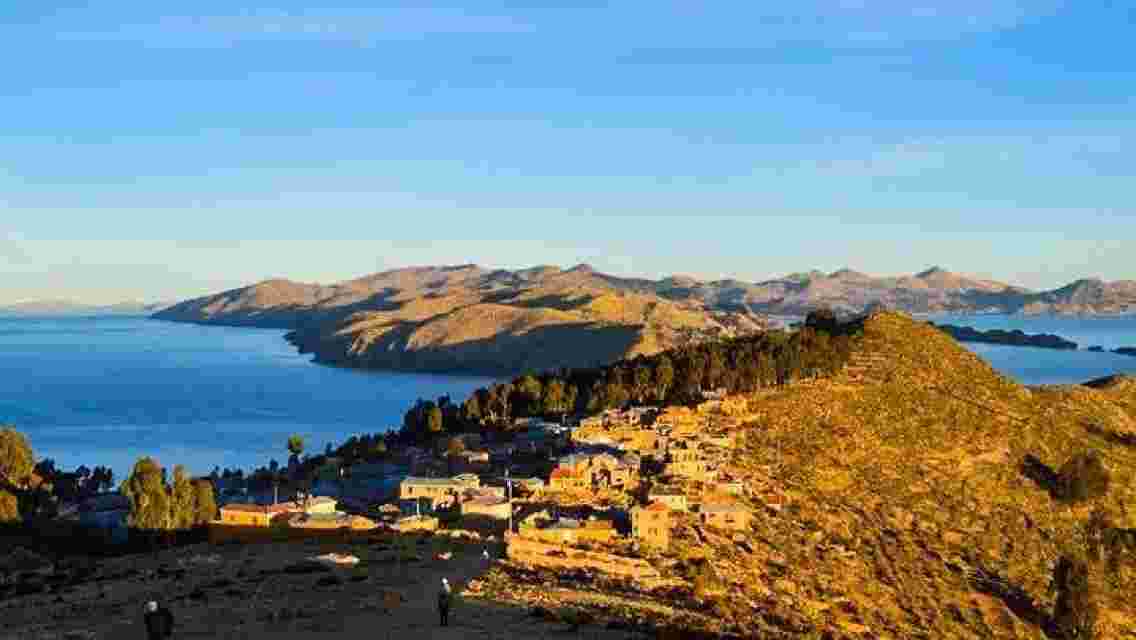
x=640, y=464
x=913, y=493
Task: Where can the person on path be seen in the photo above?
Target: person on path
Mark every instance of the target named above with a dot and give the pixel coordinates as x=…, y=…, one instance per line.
x=445, y=596
x=159, y=622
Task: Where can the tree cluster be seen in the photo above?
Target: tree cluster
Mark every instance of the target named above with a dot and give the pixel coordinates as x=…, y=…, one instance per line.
x=74, y=486
x=820, y=348
x=157, y=505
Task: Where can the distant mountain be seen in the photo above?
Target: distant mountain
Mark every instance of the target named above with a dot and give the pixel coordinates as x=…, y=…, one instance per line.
x=1085, y=296
x=70, y=307
x=467, y=318
x=471, y=318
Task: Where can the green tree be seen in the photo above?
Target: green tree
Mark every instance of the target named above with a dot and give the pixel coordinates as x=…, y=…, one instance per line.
x=715, y=368
x=555, y=397
x=9, y=507
x=103, y=478
x=149, y=500
x=295, y=445
x=471, y=409
x=379, y=449
x=181, y=500
x=434, y=422
x=204, y=502
x=642, y=382
x=529, y=389
x=16, y=460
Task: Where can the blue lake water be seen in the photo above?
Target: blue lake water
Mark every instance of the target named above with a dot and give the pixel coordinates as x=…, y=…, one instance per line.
x=109, y=390
x=1048, y=366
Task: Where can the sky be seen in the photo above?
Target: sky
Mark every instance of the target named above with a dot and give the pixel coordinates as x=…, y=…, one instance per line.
x=155, y=151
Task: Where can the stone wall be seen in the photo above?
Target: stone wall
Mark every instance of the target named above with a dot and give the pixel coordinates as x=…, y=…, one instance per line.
x=552, y=556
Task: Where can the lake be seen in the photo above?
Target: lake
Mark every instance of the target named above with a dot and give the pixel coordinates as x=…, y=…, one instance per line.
x=108, y=390
x=111, y=389
x=1048, y=366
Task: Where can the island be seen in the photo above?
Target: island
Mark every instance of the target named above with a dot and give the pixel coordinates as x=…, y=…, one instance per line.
x=1014, y=338
x=1125, y=351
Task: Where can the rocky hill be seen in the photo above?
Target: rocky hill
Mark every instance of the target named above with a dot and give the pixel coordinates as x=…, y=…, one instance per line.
x=1085, y=296
x=467, y=318
x=917, y=494
x=470, y=318
x=919, y=499
x=930, y=291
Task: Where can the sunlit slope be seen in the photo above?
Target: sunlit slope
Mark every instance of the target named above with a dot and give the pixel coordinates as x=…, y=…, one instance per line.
x=907, y=510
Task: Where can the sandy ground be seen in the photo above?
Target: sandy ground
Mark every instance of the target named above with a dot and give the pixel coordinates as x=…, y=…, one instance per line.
x=241, y=592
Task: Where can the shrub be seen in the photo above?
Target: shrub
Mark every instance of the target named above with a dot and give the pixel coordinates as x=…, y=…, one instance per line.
x=1075, y=612
x=1083, y=477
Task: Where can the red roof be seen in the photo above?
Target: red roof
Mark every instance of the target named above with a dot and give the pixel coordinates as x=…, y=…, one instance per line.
x=657, y=506
x=561, y=472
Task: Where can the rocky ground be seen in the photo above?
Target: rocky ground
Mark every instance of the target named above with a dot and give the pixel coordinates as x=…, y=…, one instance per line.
x=269, y=591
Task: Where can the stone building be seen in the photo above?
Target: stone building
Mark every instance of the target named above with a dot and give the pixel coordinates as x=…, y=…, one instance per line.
x=686, y=460
x=651, y=525
x=568, y=479
x=330, y=521
x=571, y=531
x=255, y=515
x=437, y=489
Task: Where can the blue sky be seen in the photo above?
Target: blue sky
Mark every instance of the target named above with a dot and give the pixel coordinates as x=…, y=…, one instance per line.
x=154, y=151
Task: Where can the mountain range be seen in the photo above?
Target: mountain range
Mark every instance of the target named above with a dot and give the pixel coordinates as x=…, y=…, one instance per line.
x=468, y=317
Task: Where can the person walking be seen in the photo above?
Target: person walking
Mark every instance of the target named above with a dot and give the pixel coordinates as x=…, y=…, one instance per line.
x=445, y=597
x=159, y=622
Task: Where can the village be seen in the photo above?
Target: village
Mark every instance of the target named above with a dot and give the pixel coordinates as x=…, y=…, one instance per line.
x=600, y=493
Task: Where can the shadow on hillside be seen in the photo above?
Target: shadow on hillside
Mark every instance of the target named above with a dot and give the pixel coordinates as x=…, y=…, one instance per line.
x=1042, y=475
x=1014, y=597
x=1122, y=439
x=555, y=302
x=578, y=345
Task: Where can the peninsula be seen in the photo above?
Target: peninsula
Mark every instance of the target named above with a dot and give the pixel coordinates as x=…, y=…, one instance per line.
x=1014, y=338
x=469, y=318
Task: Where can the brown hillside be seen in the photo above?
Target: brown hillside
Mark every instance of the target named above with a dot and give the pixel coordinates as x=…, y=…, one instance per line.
x=909, y=497
x=504, y=322
x=908, y=510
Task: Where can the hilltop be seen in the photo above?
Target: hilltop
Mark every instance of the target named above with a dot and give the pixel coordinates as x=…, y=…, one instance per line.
x=912, y=495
